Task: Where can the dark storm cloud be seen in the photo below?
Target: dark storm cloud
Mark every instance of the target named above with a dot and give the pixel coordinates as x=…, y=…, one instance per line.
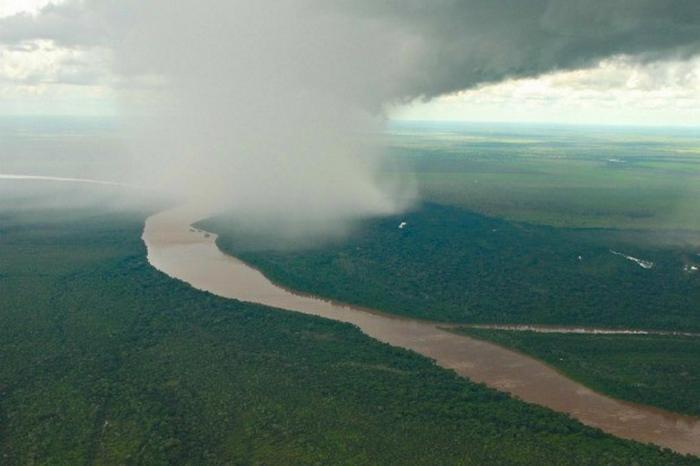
x=444, y=45
x=459, y=44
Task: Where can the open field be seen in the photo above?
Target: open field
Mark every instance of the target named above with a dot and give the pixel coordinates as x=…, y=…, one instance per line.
x=562, y=176
x=661, y=371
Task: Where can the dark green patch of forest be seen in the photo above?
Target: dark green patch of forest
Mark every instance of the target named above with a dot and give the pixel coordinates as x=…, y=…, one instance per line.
x=662, y=371
x=104, y=360
x=449, y=264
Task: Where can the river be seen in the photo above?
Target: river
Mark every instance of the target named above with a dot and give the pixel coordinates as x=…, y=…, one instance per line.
x=192, y=256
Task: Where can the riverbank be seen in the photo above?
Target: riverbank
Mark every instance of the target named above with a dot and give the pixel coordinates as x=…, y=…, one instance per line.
x=655, y=370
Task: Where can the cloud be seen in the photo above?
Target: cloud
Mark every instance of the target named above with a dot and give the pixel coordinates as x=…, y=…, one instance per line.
x=68, y=24
x=411, y=48
x=465, y=43
x=616, y=91
x=41, y=62
x=261, y=104
x=12, y=7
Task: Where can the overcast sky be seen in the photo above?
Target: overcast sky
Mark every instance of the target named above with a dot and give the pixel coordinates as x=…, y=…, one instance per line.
x=43, y=75
x=614, y=92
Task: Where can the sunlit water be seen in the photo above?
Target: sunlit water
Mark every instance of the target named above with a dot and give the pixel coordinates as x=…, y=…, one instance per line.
x=60, y=179
x=581, y=330
x=193, y=257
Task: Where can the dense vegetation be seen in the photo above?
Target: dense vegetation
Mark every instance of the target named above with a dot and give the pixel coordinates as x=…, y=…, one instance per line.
x=663, y=371
x=557, y=175
x=449, y=264
x=107, y=361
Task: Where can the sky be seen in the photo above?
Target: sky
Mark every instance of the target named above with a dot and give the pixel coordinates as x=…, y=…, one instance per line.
x=11, y=7
x=34, y=75
x=45, y=77
x=614, y=92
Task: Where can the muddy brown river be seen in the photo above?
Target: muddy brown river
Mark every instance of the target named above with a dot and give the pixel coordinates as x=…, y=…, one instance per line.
x=193, y=257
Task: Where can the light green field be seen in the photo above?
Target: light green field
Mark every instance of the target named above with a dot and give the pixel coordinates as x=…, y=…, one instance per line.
x=634, y=178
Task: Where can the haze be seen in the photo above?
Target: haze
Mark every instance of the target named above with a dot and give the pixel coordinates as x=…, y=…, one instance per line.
x=271, y=110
